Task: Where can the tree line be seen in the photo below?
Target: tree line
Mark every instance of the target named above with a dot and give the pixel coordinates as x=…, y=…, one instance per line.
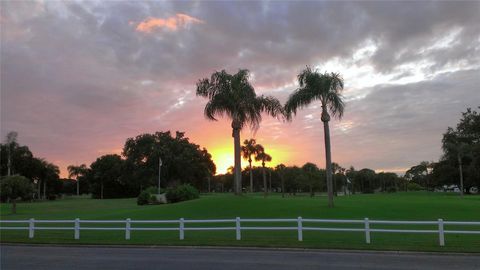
x=115, y=176
x=460, y=162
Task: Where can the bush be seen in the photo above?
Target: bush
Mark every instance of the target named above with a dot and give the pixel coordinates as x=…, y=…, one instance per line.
x=414, y=187
x=15, y=187
x=144, y=198
x=182, y=193
x=391, y=189
x=147, y=196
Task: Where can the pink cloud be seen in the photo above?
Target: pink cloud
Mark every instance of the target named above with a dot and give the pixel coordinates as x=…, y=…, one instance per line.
x=172, y=23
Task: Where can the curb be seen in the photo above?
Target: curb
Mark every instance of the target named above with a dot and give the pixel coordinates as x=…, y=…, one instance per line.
x=281, y=249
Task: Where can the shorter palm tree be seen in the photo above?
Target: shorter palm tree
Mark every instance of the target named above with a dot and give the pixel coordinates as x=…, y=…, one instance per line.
x=262, y=156
x=77, y=172
x=280, y=169
x=249, y=150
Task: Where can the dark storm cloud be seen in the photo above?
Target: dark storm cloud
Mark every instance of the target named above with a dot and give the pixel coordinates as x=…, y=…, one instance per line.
x=78, y=78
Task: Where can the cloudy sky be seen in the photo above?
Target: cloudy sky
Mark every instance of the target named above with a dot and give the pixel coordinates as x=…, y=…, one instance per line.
x=79, y=78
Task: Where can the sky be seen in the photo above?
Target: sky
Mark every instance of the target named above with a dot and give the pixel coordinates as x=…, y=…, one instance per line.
x=79, y=78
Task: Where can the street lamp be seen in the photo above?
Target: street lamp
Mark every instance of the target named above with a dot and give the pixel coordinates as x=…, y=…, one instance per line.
x=159, y=170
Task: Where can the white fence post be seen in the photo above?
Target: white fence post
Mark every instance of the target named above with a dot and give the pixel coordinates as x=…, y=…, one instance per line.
x=238, y=228
x=441, y=233
x=31, y=228
x=182, y=234
x=367, y=231
x=77, y=228
x=300, y=229
x=127, y=229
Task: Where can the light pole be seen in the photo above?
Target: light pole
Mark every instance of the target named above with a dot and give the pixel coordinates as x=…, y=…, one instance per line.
x=159, y=170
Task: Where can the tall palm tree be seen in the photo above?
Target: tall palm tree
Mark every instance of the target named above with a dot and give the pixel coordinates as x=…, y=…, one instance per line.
x=77, y=172
x=327, y=88
x=234, y=97
x=248, y=150
x=262, y=156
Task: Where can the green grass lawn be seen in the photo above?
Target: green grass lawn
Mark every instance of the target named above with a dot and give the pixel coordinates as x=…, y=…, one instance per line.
x=397, y=206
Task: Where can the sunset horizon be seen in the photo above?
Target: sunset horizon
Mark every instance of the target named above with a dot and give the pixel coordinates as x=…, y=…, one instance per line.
x=78, y=80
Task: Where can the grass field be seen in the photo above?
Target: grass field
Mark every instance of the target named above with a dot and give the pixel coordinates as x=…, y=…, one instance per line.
x=398, y=206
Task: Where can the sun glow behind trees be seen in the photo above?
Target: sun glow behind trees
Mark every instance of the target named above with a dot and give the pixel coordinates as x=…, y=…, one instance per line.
x=222, y=155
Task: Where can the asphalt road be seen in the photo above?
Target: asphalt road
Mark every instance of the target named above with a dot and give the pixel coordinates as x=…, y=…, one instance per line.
x=51, y=258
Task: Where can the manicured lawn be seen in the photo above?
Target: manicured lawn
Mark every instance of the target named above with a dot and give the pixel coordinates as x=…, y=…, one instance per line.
x=398, y=206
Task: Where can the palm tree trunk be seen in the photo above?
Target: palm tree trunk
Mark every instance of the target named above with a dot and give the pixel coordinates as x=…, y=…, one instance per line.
x=251, y=176
x=328, y=159
x=238, y=162
x=264, y=181
x=78, y=187
x=270, y=180
x=461, y=173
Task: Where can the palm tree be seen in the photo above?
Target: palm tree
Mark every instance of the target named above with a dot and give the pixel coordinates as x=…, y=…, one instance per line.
x=249, y=149
x=77, y=172
x=233, y=96
x=280, y=169
x=262, y=156
x=326, y=88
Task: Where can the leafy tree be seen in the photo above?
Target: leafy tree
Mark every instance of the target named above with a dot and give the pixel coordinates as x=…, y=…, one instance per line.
x=388, y=181
x=183, y=161
x=326, y=88
x=310, y=176
x=365, y=180
x=420, y=174
x=233, y=96
x=14, y=187
x=105, y=177
x=262, y=156
x=337, y=173
x=461, y=148
x=77, y=172
x=249, y=149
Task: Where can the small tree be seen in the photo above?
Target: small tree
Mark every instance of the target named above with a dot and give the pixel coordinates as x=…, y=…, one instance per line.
x=14, y=187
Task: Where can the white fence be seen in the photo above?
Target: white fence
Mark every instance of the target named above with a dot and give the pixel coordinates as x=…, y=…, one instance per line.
x=237, y=223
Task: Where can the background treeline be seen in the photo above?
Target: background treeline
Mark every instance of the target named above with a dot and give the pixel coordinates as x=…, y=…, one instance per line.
x=311, y=179
x=115, y=176
x=18, y=159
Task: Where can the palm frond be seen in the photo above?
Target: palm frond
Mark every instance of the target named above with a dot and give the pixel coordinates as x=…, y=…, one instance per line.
x=300, y=98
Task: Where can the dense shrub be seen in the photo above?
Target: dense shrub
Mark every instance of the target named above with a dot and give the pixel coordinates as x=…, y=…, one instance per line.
x=147, y=196
x=181, y=193
x=391, y=189
x=414, y=187
x=143, y=198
